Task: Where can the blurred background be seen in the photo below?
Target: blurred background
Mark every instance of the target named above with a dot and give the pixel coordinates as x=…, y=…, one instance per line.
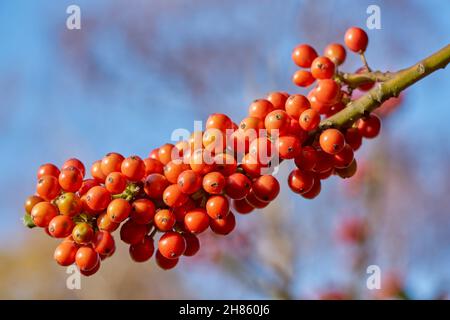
x=139, y=69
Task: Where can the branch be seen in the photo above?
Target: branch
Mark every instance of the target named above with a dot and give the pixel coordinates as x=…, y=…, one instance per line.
x=354, y=80
x=392, y=87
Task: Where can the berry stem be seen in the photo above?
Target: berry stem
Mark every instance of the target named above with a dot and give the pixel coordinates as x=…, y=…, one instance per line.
x=364, y=61
x=387, y=89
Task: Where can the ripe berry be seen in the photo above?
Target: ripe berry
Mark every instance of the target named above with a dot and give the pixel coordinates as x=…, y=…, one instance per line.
x=307, y=158
x=332, y=141
x=252, y=123
x=356, y=39
x=48, y=169
x=192, y=244
x=118, y=210
x=87, y=185
x=143, y=251
x=154, y=185
x=164, y=220
x=242, y=206
x=214, y=140
x=327, y=91
x=153, y=166
x=296, y=104
x=112, y=162
x=217, y=207
x=309, y=120
x=225, y=164
x=173, y=169
x=60, y=226
x=223, y=226
x=277, y=120
x=103, y=243
x=303, y=78
x=132, y=233
x=165, y=263
x=315, y=190
x=98, y=198
x=88, y=273
x=370, y=126
x=31, y=202
x=115, y=182
x=214, y=183
x=322, y=68
x=83, y=233
x=354, y=138
x=165, y=153
x=335, y=108
x=261, y=150
x=96, y=171
x=106, y=224
x=48, y=187
x=219, y=121
x=173, y=196
x=278, y=99
x=336, y=53
x=86, y=258
x=325, y=162
x=266, y=188
x=70, y=179
x=300, y=181
x=189, y=182
x=202, y=162
x=343, y=158
x=320, y=107
x=42, y=213
x=303, y=55
x=154, y=154
x=196, y=221
x=75, y=163
x=142, y=211
x=65, y=253
x=288, y=147
x=237, y=186
x=254, y=201
x=133, y=168
x=252, y=167
x=171, y=245
x=260, y=108
x=347, y=172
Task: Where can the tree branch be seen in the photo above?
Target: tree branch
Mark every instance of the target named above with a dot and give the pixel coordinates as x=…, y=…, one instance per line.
x=354, y=80
x=391, y=87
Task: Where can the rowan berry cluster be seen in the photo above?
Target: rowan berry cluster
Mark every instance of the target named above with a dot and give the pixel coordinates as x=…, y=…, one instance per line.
x=180, y=190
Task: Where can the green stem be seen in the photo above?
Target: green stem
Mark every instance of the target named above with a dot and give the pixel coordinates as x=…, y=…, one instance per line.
x=387, y=89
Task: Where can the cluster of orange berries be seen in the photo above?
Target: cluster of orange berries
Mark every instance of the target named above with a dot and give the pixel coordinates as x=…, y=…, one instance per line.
x=182, y=190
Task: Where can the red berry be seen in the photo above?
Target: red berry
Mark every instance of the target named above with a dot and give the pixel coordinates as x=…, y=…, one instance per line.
x=303, y=78
x=65, y=253
x=303, y=55
x=336, y=53
x=327, y=91
x=104, y=243
x=86, y=258
x=61, y=226
x=356, y=39
x=132, y=233
x=223, y=226
x=300, y=181
x=165, y=263
x=242, y=206
x=354, y=138
x=278, y=99
x=171, y=245
x=266, y=188
x=332, y=141
x=217, y=207
x=237, y=186
x=344, y=158
x=192, y=244
x=48, y=169
x=214, y=183
x=260, y=108
x=142, y=251
x=307, y=158
x=309, y=120
x=289, y=147
x=322, y=68
x=370, y=126
x=196, y=221
x=296, y=104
